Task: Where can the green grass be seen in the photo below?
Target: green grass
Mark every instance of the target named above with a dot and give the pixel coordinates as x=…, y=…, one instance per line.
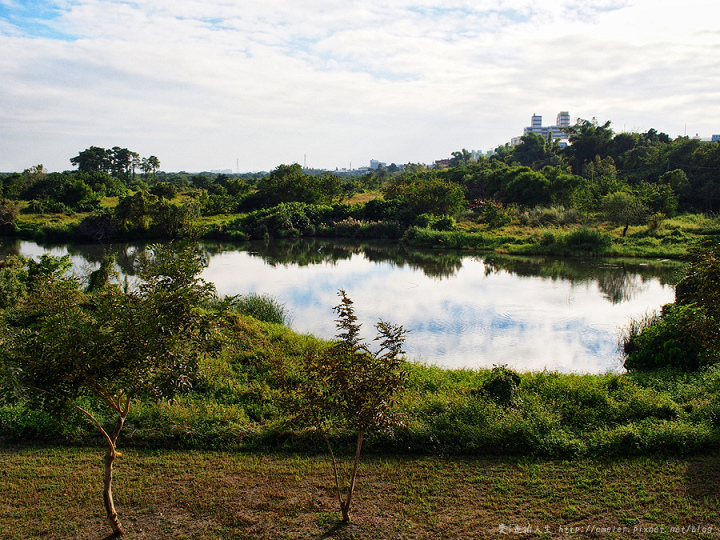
x=443, y=412
x=539, y=235
x=669, y=238
x=55, y=493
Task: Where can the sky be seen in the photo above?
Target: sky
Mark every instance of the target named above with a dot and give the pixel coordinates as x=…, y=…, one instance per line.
x=248, y=85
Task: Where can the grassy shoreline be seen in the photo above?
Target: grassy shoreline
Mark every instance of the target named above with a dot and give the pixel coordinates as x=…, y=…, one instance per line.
x=668, y=238
x=54, y=491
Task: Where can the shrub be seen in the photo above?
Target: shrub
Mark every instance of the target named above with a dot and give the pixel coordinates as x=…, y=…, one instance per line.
x=587, y=240
x=501, y=386
x=263, y=307
x=8, y=214
x=495, y=215
x=555, y=215
x=665, y=343
x=687, y=335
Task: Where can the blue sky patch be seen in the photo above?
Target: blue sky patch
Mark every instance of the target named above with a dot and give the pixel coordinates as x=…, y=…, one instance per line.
x=34, y=18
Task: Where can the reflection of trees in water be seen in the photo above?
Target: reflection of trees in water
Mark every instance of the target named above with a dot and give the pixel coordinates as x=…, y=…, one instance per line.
x=303, y=252
x=9, y=247
x=618, y=279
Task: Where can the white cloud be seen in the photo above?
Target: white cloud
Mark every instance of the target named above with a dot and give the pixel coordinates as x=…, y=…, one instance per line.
x=200, y=84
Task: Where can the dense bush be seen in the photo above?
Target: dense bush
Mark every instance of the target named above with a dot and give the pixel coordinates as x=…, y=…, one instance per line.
x=686, y=335
x=426, y=195
x=666, y=343
x=587, y=240
x=9, y=211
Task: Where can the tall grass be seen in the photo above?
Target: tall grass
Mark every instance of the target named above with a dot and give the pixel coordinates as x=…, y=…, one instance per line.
x=454, y=412
x=263, y=307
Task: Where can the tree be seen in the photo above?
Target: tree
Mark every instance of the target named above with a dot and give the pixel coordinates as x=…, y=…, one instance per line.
x=63, y=343
x=529, y=188
x=9, y=211
x=35, y=174
x=587, y=140
x=462, y=157
x=164, y=190
x=93, y=159
x=174, y=219
x=532, y=149
x=426, y=194
x=121, y=160
x=623, y=208
x=134, y=163
x=154, y=164
x=134, y=212
x=348, y=385
x=288, y=183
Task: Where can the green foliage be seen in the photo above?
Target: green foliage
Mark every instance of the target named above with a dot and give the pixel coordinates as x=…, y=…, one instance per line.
x=289, y=220
x=348, y=385
x=283, y=219
x=426, y=194
x=687, y=334
x=623, y=208
x=665, y=342
x=9, y=211
x=134, y=212
x=701, y=284
x=60, y=192
x=586, y=240
x=502, y=385
x=287, y=184
x=64, y=341
x=588, y=139
x=542, y=216
x=436, y=223
x=262, y=307
x=171, y=220
x=494, y=214
x=164, y=190
x=529, y=188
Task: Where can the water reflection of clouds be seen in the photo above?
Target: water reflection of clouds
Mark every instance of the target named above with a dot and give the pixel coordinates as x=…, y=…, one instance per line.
x=474, y=319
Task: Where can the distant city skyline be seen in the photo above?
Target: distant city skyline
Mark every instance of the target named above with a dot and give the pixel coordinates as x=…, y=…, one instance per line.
x=251, y=85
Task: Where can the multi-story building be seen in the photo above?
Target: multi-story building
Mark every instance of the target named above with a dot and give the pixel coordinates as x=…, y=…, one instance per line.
x=555, y=132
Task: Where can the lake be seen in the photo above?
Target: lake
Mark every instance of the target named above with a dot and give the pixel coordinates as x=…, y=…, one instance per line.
x=463, y=309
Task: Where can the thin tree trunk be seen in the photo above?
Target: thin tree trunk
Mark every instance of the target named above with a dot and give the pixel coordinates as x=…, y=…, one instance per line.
x=110, y=456
x=346, y=505
x=112, y=516
x=334, y=467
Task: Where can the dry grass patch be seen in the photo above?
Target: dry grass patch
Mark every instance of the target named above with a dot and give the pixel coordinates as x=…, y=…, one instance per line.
x=55, y=493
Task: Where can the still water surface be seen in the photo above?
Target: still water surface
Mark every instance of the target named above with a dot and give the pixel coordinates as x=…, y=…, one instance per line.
x=463, y=309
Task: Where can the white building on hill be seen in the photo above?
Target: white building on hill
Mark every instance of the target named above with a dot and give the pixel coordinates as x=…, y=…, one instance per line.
x=555, y=132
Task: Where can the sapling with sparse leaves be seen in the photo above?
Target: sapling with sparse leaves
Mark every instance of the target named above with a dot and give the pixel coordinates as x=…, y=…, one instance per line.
x=347, y=385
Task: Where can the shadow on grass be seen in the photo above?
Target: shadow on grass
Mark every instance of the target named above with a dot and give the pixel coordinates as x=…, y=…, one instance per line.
x=340, y=529
x=702, y=478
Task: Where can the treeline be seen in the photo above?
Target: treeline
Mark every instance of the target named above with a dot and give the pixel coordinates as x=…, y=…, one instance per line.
x=621, y=179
